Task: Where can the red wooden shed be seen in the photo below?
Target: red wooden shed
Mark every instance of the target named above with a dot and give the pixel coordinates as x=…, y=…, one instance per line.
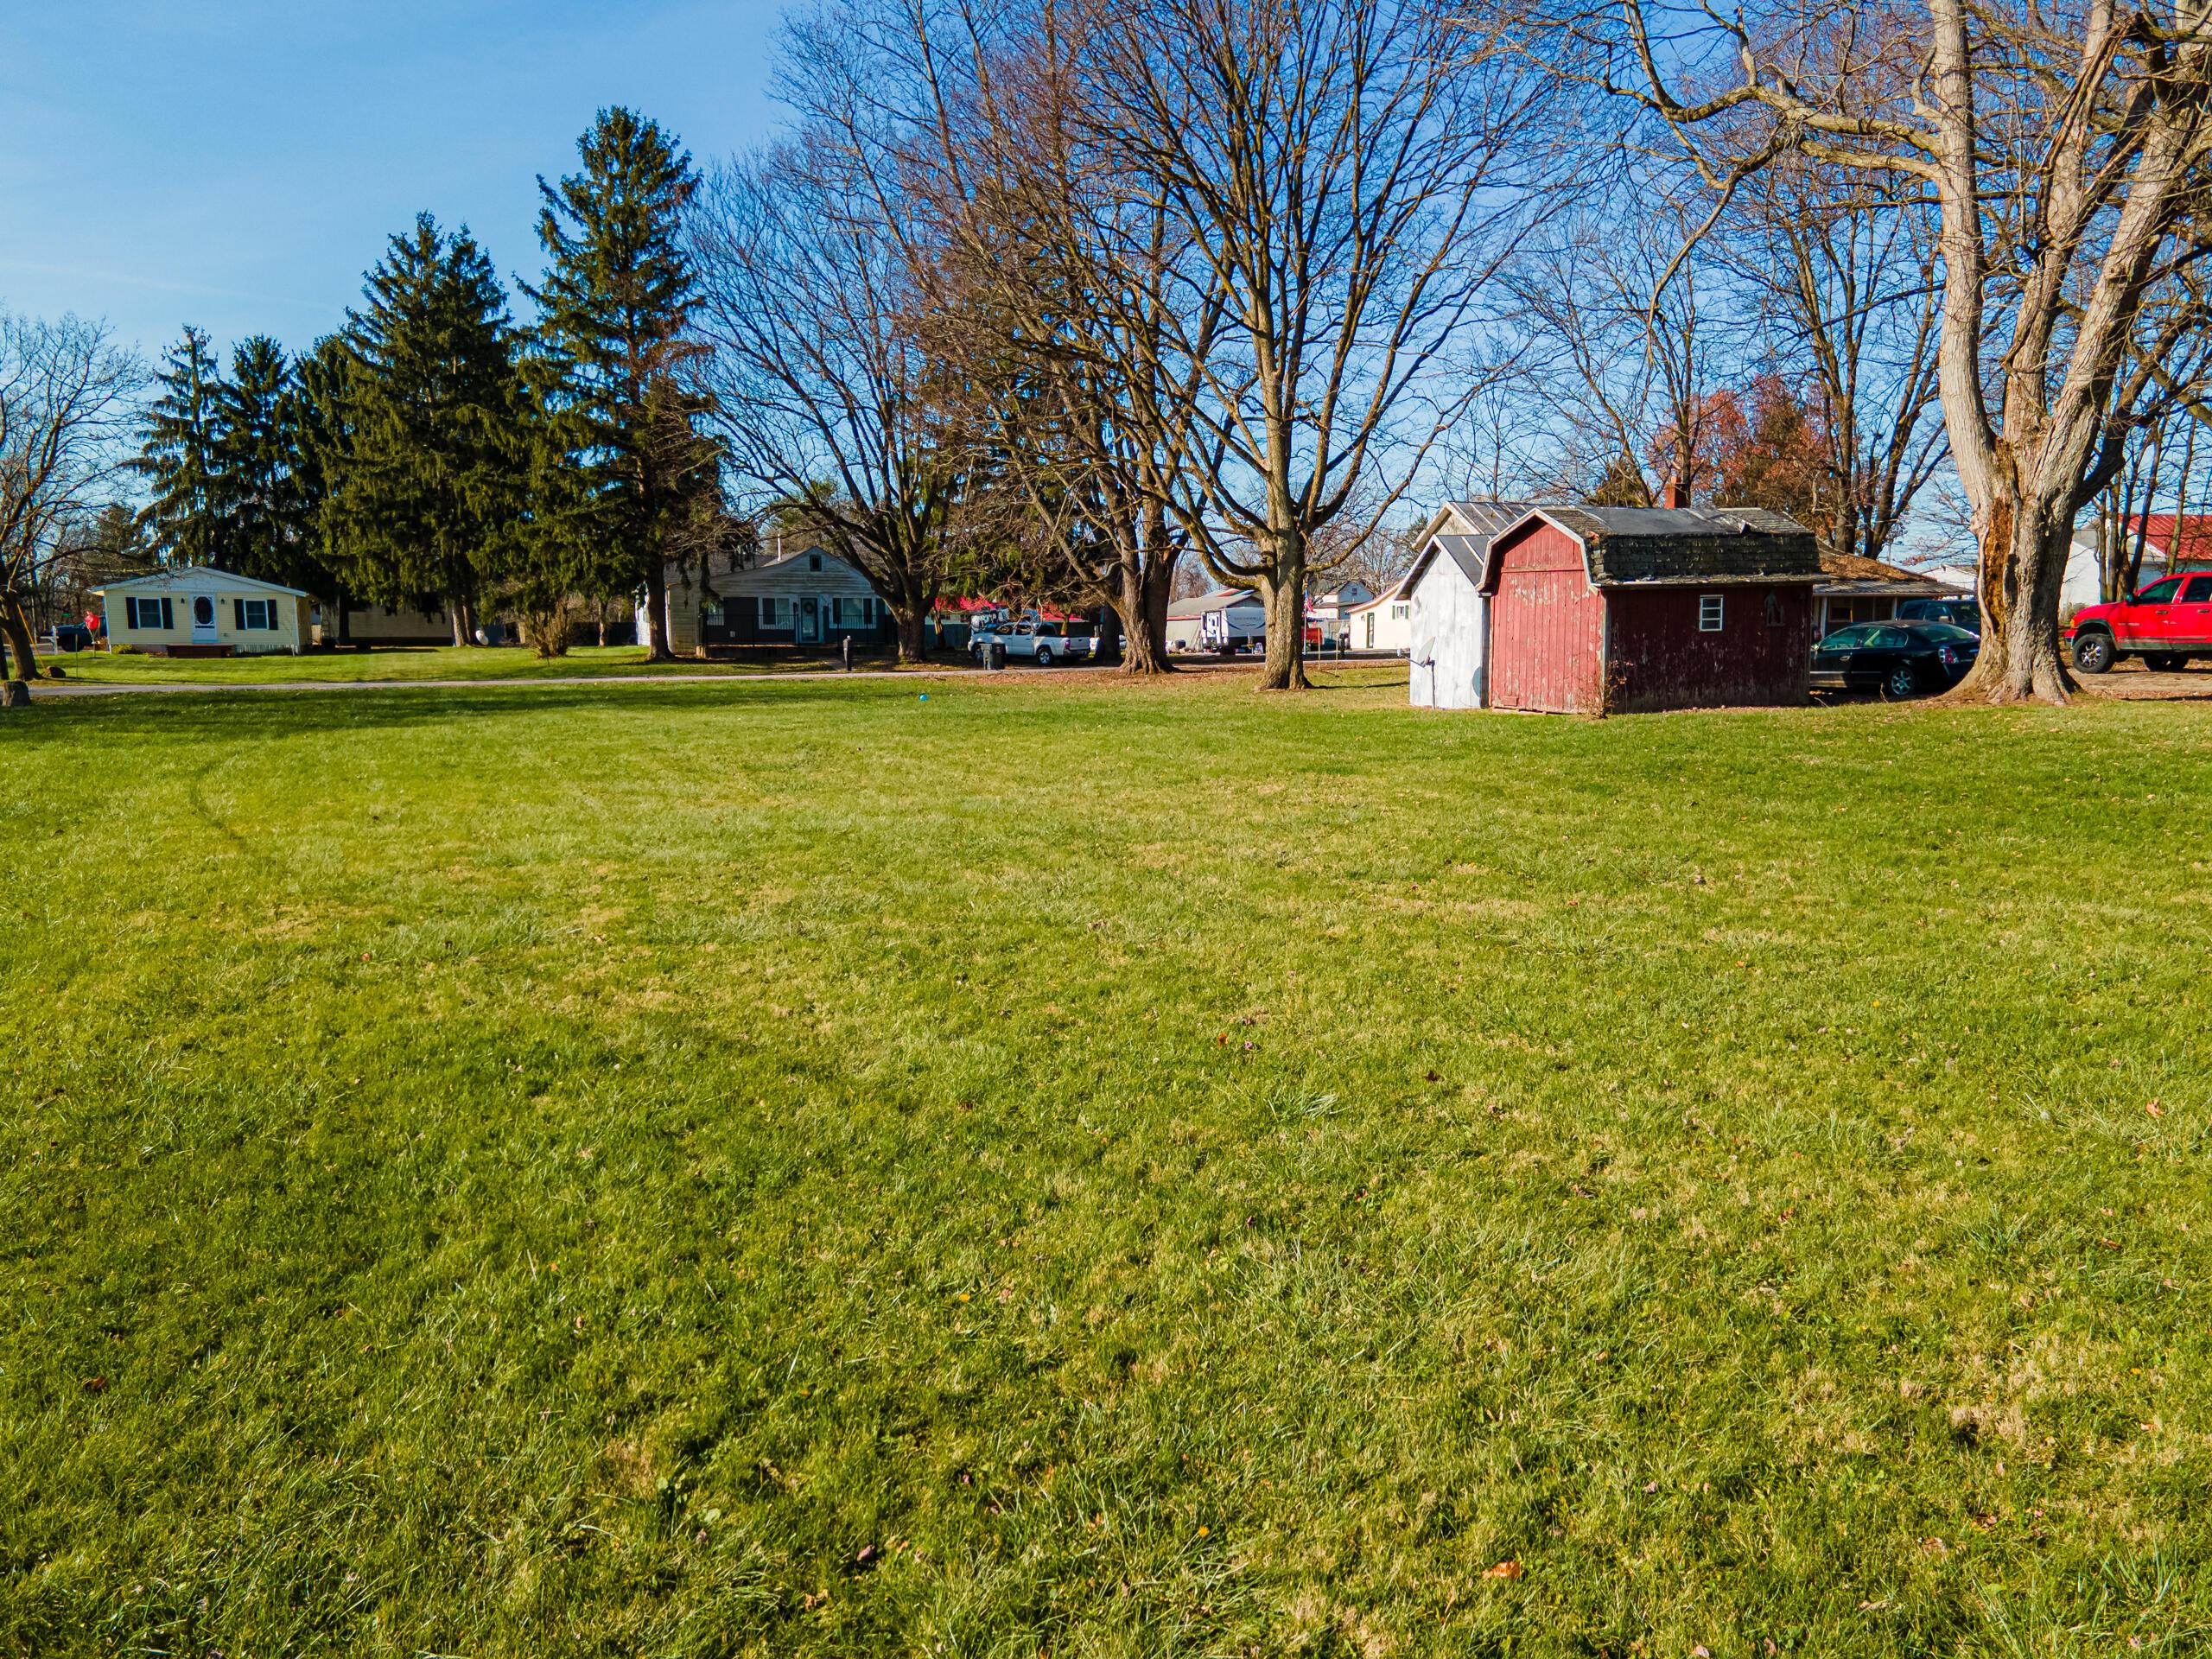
x=1608, y=610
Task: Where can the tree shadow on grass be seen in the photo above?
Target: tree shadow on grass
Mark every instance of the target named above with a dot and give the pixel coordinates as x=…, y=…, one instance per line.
x=70, y=721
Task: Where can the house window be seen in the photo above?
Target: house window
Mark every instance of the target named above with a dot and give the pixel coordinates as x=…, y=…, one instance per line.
x=148, y=613
x=1400, y=612
x=1710, y=609
x=771, y=612
x=814, y=561
x=255, y=615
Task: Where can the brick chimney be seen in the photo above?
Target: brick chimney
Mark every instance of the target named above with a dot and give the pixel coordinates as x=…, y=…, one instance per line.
x=1678, y=494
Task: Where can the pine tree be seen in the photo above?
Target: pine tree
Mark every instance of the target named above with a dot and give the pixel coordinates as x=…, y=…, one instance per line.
x=256, y=461
x=320, y=421
x=429, y=501
x=618, y=294
x=184, y=515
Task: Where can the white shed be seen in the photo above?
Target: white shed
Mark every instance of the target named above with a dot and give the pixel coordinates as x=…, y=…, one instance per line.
x=1449, y=640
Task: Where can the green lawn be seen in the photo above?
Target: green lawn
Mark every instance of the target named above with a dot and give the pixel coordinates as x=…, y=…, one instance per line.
x=412, y=663
x=1050, y=1168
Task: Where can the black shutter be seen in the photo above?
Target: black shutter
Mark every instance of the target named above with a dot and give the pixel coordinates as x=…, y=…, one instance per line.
x=238, y=612
x=169, y=614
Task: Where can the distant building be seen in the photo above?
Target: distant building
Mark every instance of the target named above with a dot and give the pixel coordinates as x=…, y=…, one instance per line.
x=1855, y=589
x=810, y=599
x=1384, y=623
x=199, y=611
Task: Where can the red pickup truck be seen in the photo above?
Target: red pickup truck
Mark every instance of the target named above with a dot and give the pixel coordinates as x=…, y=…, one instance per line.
x=2165, y=623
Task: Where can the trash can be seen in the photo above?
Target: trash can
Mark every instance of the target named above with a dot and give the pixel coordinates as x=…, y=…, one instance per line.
x=996, y=653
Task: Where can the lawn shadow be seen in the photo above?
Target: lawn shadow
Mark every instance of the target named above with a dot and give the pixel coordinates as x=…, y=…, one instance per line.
x=63, y=721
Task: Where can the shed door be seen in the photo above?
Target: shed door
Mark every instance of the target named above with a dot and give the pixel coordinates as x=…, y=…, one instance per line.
x=1546, y=628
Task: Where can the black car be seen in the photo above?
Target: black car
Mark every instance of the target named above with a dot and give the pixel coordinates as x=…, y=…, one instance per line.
x=1898, y=660
x=1958, y=612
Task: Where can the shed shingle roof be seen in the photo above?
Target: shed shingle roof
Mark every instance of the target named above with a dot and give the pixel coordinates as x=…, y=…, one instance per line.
x=1655, y=545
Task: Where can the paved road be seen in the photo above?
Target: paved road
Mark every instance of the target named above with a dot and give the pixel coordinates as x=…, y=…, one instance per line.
x=46, y=689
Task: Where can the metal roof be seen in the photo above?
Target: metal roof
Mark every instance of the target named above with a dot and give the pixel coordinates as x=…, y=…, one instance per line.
x=1470, y=547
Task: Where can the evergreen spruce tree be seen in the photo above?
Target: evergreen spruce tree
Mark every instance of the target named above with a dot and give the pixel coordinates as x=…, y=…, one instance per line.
x=429, y=501
x=184, y=513
x=319, y=418
x=617, y=297
x=256, y=461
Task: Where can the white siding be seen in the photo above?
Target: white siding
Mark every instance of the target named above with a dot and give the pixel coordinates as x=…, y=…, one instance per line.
x=1450, y=638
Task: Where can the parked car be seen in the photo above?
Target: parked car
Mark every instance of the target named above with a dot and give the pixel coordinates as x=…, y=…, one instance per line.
x=1898, y=660
x=1041, y=642
x=1958, y=612
x=2165, y=623
x=70, y=636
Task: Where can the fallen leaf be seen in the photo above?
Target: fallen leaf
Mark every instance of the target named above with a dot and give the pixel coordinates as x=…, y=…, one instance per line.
x=2155, y=1109
x=96, y=1385
x=1504, y=1570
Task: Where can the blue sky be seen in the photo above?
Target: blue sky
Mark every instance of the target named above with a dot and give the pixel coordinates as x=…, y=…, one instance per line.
x=238, y=163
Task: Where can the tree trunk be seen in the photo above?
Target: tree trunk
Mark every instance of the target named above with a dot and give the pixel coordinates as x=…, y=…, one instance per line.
x=909, y=617
x=459, y=618
x=656, y=640
x=2023, y=566
x=17, y=629
x=344, y=621
x=1282, y=596
x=1140, y=605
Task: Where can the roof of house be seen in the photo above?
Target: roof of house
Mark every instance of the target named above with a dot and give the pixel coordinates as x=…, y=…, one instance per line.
x=201, y=578
x=1656, y=546
x=1849, y=573
x=1220, y=599
x=2183, y=538
x=1396, y=590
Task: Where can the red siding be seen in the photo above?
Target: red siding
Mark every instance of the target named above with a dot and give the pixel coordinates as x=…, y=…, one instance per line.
x=1659, y=659
x=1547, y=625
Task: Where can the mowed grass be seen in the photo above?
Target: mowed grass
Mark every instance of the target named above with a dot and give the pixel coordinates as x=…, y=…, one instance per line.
x=1052, y=1167
x=415, y=663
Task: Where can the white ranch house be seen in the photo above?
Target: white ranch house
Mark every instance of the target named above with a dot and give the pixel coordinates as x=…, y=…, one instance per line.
x=199, y=611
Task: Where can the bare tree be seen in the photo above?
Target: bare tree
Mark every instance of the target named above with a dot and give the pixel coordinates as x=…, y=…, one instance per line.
x=1050, y=281
x=69, y=395
x=833, y=409
x=1847, y=279
x=1343, y=174
x=1636, y=342
x=2064, y=148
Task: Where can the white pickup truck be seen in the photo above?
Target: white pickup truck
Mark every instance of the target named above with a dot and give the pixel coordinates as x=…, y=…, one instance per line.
x=1035, y=640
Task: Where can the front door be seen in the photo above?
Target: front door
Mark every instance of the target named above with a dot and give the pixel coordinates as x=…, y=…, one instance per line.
x=203, y=620
x=2192, y=628
x=809, y=621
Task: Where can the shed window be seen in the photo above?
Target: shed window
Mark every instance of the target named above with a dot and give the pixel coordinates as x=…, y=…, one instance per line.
x=255, y=615
x=1710, y=611
x=1773, y=608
